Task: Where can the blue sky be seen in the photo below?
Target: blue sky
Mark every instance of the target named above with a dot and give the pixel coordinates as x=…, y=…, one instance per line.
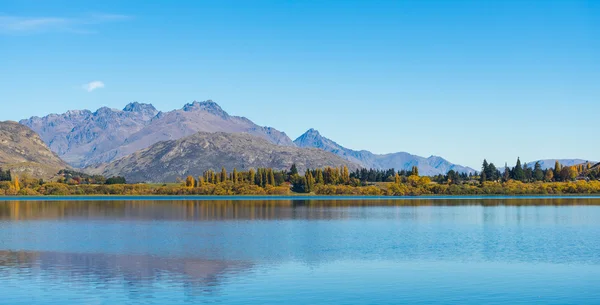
x=460, y=79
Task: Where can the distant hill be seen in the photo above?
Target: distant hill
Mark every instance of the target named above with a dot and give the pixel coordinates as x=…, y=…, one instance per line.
x=83, y=138
x=23, y=151
x=549, y=163
x=168, y=160
x=427, y=166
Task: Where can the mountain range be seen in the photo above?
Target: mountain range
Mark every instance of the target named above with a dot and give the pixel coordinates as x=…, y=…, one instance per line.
x=192, y=155
x=145, y=144
x=23, y=151
x=427, y=166
x=83, y=138
x=90, y=139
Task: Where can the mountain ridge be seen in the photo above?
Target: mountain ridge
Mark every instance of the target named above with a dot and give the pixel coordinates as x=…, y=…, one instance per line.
x=83, y=138
x=23, y=151
x=432, y=165
x=549, y=163
x=166, y=161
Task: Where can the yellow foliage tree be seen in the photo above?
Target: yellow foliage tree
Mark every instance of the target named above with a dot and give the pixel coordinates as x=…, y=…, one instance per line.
x=345, y=175
x=189, y=182
x=397, y=178
x=17, y=184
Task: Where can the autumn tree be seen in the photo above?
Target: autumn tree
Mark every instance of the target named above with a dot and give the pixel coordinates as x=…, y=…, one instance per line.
x=259, y=177
x=397, y=179
x=557, y=169
x=252, y=176
x=16, y=183
x=414, y=171
x=271, y=177
x=310, y=182
x=190, y=182
x=568, y=173
x=345, y=175
x=223, y=174
x=319, y=176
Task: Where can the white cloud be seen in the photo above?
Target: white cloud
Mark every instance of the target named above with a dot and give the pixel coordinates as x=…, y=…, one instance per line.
x=20, y=24
x=91, y=86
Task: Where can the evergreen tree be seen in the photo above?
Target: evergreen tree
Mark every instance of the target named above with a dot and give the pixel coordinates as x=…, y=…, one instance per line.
x=528, y=172
x=518, y=173
x=506, y=175
x=453, y=177
x=234, y=175
x=492, y=172
x=538, y=173
x=293, y=170
x=484, y=171
x=298, y=183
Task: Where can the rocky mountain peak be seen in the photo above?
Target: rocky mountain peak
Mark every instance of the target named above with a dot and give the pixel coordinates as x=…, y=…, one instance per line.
x=208, y=106
x=311, y=134
x=312, y=138
x=140, y=107
x=104, y=110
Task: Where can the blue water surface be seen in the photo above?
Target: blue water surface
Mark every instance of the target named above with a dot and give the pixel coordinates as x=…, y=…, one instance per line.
x=501, y=250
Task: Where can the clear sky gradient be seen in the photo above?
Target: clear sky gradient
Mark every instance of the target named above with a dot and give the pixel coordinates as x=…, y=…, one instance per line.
x=460, y=79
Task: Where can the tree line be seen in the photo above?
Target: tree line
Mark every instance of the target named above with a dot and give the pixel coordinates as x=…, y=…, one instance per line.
x=5, y=175
x=521, y=179
x=525, y=173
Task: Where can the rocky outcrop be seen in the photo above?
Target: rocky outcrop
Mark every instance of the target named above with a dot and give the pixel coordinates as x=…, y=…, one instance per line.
x=23, y=151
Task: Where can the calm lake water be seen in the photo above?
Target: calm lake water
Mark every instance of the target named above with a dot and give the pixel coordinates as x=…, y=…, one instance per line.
x=354, y=251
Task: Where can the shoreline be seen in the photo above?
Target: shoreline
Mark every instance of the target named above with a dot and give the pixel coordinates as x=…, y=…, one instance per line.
x=285, y=197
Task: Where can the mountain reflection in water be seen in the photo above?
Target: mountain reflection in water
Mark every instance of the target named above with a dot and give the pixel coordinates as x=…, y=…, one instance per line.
x=139, y=271
x=243, y=209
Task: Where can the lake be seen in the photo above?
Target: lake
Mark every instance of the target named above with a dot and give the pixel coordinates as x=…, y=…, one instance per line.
x=496, y=250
